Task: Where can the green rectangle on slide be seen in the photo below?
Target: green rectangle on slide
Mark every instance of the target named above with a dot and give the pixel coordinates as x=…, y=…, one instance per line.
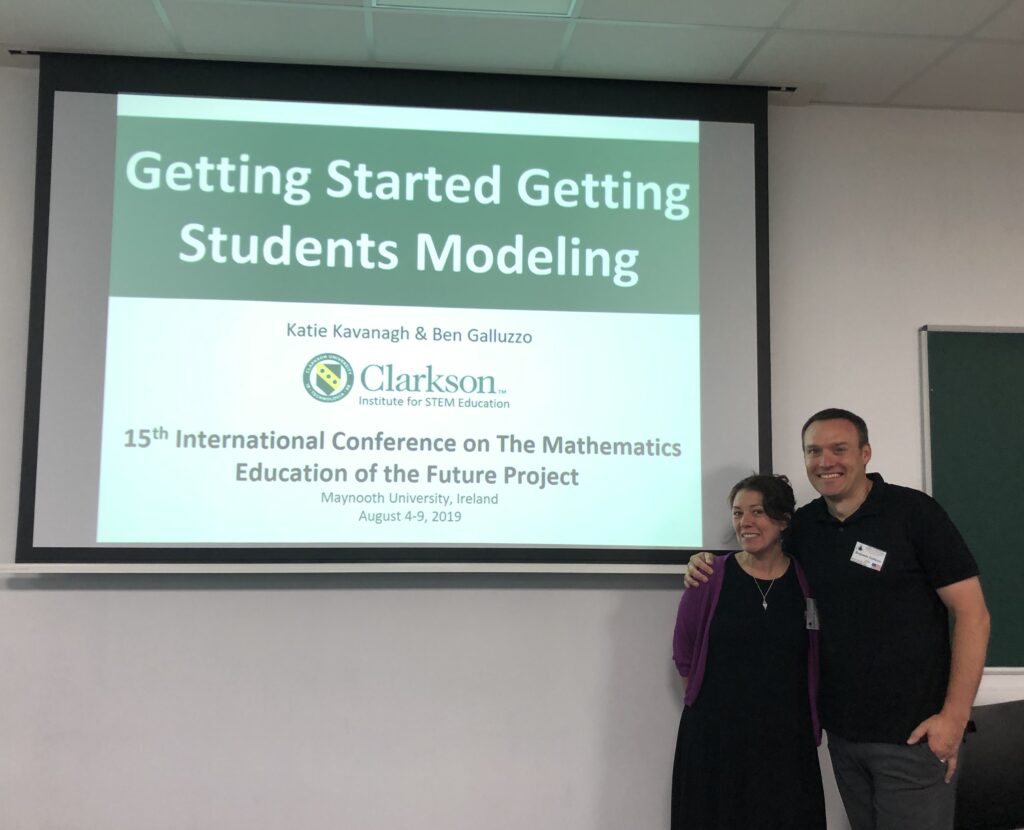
x=203, y=209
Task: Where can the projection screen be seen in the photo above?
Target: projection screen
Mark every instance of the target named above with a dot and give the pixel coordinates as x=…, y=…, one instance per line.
x=311, y=315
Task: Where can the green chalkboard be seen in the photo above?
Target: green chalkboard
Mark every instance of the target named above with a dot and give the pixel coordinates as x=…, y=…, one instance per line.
x=975, y=435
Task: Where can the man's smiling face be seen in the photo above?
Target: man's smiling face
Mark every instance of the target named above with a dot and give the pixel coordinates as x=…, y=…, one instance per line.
x=835, y=461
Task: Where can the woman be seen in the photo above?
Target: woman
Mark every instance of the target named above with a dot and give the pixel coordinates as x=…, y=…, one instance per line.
x=746, y=756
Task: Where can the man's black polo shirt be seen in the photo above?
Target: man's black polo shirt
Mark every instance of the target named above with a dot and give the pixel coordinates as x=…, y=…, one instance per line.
x=885, y=651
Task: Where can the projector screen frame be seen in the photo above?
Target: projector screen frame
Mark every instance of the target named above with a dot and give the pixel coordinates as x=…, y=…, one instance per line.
x=399, y=87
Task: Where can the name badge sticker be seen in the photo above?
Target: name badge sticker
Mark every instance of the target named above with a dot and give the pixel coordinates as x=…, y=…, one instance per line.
x=868, y=556
x=811, y=615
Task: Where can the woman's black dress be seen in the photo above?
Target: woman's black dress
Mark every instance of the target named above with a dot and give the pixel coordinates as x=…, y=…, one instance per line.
x=745, y=756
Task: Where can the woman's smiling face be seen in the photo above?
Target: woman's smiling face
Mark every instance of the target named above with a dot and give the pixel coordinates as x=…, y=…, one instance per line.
x=756, y=531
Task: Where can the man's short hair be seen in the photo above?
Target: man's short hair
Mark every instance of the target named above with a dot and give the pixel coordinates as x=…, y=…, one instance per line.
x=777, y=497
x=834, y=414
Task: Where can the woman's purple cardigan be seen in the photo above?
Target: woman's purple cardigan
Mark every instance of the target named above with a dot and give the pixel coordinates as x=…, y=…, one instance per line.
x=693, y=622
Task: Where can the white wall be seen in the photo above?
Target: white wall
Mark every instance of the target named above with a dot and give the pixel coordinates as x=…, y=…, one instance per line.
x=470, y=702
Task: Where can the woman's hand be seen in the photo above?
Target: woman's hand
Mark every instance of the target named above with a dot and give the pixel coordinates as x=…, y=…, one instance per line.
x=699, y=569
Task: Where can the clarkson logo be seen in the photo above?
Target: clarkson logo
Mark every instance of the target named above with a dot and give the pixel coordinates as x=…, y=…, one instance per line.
x=328, y=377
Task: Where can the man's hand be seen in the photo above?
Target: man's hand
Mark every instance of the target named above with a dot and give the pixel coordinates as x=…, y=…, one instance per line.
x=699, y=569
x=945, y=734
x=945, y=730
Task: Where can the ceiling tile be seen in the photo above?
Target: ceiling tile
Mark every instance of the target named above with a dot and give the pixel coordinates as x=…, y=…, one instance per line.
x=851, y=69
x=675, y=53
x=708, y=12
x=123, y=26
x=468, y=41
x=271, y=31
x=903, y=17
x=976, y=75
x=1009, y=23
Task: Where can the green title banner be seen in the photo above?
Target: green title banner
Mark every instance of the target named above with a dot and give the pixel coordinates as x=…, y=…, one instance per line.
x=584, y=216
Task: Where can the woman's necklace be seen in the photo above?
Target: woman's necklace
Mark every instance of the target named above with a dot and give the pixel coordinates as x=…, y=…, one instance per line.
x=764, y=594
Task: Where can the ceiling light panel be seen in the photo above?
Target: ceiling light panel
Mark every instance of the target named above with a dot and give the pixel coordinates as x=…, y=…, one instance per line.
x=698, y=12
x=550, y=8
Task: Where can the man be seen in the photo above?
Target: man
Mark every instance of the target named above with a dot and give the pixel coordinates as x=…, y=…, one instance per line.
x=886, y=567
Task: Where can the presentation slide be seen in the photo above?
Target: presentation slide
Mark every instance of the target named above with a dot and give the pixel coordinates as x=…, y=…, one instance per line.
x=294, y=331
x=370, y=325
